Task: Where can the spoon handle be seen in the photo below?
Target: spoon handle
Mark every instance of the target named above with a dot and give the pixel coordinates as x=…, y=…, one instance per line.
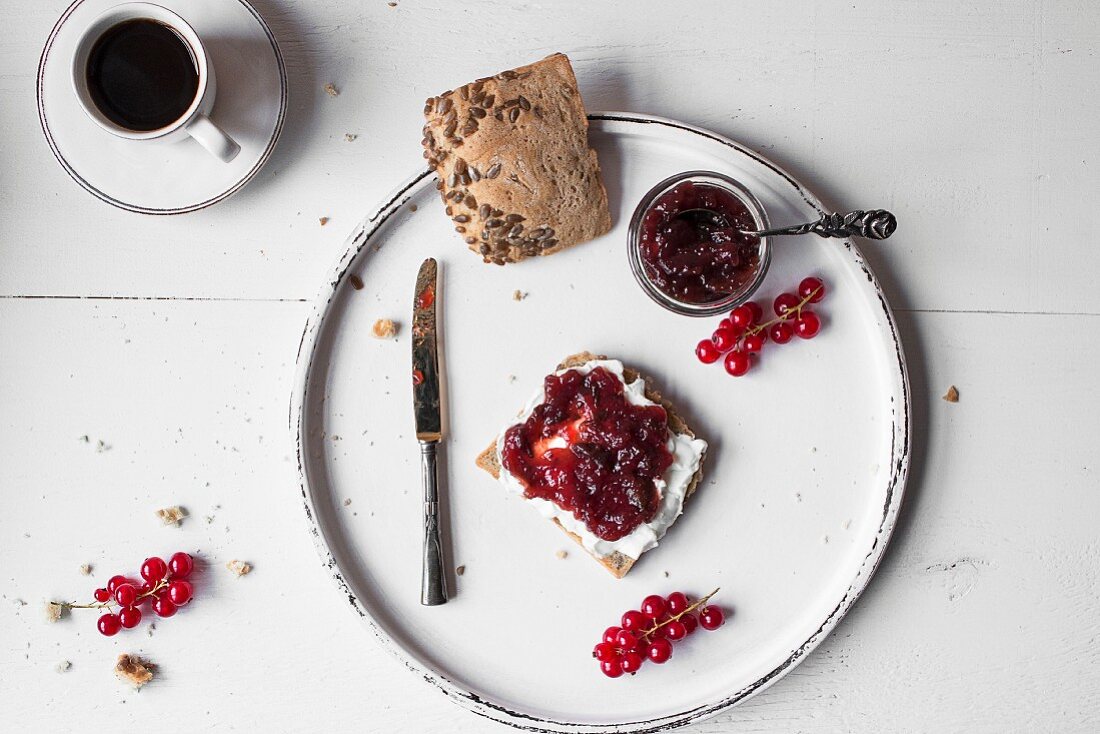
x=875, y=224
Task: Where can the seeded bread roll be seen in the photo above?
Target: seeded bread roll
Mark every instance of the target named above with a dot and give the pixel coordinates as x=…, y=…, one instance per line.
x=515, y=171
x=617, y=563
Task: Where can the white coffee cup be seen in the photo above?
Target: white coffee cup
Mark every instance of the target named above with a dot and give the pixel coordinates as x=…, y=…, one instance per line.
x=195, y=121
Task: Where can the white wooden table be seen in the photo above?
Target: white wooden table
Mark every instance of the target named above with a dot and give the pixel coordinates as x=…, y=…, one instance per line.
x=173, y=340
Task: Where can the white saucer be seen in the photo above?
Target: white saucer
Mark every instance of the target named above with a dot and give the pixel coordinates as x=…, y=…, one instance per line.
x=170, y=178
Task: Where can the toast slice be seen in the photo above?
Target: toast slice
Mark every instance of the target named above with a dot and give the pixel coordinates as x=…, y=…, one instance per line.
x=617, y=563
x=516, y=174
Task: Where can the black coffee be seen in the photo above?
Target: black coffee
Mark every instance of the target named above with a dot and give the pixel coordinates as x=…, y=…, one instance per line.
x=142, y=75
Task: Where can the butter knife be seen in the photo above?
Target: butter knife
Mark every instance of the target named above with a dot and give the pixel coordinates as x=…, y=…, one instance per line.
x=429, y=428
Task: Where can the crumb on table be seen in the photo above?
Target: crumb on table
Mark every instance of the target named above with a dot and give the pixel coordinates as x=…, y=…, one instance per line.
x=356, y=282
x=172, y=515
x=952, y=394
x=86, y=569
x=331, y=90
x=518, y=295
x=64, y=666
x=561, y=555
x=55, y=610
x=323, y=221
x=350, y=137
x=134, y=670
x=239, y=567
x=460, y=570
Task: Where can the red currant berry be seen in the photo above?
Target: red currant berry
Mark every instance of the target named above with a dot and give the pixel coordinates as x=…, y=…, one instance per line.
x=691, y=622
x=631, y=662
x=102, y=595
x=784, y=303
x=741, y=317
x=812, y=289
x=781, y=333
x=659, y=651
x=130, y=617
x=164, y=607
x=605, y=651
x=738, y=362
x=807, y=325
x=626, y=640
x=653, y=606
x=757, y=312
x=633, y=620
x=153, y=569
x=109, y=624
x=611, y=668
x=711, y=618
x=125, y=594
x=114, y=581
x=180, y=592
x=724, y=339
x=755, y=342
x=677, y=602
x=610, y=634
x=724, y=324
x=707, y=352
x=181, y=564
x=675, y=631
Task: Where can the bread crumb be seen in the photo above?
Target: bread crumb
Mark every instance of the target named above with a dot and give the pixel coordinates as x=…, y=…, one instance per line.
x=460, y=570
x=63, y=666
x=331, y=89
x=239, y=567
x=55, y=610
x=384, y=329
x=347, y=502
x=561, y=555
x=511, y=378
x=666, y=574
x=952, y=394
x=518, y=295
x=356, y=282
x=392, y=4
x=134, y=670
x=101, y=446
x=85, y=438
x=412, y=207
x=172, y=515
x=86, y=569
x=350, y=137
x=152, y=626
x=323, y=221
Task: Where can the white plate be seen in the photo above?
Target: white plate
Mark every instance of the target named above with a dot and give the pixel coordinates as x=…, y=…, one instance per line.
x=170, y=178
x=804, y=479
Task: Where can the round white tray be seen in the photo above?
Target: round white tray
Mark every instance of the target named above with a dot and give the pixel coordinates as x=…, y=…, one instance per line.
x=804, y=479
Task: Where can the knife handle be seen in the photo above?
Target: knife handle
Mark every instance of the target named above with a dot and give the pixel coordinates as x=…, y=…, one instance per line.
x=433, y=582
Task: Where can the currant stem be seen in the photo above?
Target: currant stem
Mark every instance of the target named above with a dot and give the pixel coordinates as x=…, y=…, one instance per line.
x=111, y=602
x=691, y=608
x=797, y=311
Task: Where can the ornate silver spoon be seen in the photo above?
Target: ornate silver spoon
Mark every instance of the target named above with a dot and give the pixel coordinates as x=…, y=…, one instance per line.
x=874, y=224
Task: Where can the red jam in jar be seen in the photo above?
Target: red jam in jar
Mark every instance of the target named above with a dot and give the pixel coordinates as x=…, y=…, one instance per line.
x=697, y=258
x=590, y=451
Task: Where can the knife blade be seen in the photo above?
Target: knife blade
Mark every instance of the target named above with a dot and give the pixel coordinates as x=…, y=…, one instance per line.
x=429, y=427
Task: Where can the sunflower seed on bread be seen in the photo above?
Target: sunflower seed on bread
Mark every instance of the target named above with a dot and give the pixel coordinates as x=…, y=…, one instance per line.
x=515, y=171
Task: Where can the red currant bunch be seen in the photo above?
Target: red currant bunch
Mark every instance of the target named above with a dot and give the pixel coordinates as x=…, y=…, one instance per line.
x=163, y=585
x=744, y=332
x=647, y=633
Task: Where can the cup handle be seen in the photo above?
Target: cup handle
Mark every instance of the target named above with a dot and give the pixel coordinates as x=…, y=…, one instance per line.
x=213, y=138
